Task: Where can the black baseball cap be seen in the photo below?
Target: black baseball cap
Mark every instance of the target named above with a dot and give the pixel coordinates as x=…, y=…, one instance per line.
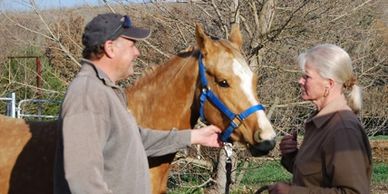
x=110, y=26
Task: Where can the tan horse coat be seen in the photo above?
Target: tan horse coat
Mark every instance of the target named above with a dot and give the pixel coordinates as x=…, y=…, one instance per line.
x=171, y=94
x=26, y=156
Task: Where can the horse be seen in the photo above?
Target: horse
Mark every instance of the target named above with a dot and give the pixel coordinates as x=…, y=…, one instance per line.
x=172, y=95
x=212, y=82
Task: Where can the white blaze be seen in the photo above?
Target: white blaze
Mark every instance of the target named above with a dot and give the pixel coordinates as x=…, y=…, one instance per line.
x=242, y=70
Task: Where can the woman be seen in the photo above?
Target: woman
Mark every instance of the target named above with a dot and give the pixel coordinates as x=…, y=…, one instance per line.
x=335, y=156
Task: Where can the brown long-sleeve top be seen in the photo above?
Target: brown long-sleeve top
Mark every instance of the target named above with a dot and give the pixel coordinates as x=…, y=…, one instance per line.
x=101, y=149
x=335, y=155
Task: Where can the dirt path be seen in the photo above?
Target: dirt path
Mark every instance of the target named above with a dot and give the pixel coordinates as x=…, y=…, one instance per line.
x=379, y=189
x=379, y=150
x=379, y=154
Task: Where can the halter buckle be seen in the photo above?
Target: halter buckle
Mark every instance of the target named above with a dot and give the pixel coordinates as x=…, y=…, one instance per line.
x=236, y=122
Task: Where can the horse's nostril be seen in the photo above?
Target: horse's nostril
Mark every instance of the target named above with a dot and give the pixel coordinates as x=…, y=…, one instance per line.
x=256, y=136
x=262, y=148
x=268, y=144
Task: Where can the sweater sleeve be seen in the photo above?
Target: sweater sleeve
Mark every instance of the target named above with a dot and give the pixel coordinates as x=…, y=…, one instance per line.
x=159, y=143
x=288, y=160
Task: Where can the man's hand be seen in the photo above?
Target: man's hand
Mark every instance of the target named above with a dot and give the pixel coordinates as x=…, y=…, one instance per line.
x=206, y=136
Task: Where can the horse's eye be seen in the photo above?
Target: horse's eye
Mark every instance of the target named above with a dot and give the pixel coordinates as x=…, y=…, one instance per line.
x=223, y=84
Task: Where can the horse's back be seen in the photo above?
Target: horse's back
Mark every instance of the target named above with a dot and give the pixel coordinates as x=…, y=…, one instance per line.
x=27, y=151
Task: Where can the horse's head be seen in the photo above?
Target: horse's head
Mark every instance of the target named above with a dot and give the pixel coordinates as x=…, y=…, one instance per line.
x=228, y=78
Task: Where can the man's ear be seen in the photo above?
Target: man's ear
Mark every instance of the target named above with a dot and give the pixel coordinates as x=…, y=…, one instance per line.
x=109, y=48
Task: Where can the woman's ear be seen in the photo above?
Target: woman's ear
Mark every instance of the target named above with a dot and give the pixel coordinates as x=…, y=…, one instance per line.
x=331, y=83
x=329, y=86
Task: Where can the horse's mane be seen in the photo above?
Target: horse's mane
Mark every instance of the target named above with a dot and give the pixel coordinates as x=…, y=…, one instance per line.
x=177, y=63
x=181, y=54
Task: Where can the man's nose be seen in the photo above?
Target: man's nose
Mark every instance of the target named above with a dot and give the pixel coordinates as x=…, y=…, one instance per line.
x=301, y=81
x=137, y=52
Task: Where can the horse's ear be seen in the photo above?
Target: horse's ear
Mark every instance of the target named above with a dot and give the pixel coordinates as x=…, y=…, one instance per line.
x=203, y=41
x=235, y=35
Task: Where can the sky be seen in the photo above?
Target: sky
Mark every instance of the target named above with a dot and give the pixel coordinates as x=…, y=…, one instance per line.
x=21, y=5
x=17, y=5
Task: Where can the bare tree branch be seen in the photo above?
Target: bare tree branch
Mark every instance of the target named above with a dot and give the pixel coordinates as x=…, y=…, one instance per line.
x=54, y=38
x=353, y=10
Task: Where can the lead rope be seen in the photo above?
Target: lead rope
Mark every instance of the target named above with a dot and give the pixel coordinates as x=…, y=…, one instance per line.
x=228, y=147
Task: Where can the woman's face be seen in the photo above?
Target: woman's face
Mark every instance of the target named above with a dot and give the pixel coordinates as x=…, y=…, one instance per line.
x=313, y=85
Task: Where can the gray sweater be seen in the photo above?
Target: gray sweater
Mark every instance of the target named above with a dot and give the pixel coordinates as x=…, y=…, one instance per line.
x=100, y=148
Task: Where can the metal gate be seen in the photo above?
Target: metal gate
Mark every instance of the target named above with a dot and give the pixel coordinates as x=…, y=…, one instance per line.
x=20, y=111
x=11, y=105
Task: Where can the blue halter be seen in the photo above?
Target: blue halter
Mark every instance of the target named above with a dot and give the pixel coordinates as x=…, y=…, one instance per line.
x=207, y=94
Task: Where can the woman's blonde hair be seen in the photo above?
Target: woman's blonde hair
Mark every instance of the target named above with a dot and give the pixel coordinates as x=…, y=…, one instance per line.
x=333, y=62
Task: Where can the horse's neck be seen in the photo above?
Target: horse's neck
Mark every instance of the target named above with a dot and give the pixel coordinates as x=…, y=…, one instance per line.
x=164, y=98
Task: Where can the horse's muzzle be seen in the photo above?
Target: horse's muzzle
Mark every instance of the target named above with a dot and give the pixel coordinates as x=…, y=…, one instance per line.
x=262, y=148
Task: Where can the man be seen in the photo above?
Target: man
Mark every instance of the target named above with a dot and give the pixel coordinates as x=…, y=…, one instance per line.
x=101, y=149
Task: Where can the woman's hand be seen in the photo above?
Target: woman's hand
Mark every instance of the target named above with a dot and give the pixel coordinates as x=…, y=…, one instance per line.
x=279, y=188
x=288, y=144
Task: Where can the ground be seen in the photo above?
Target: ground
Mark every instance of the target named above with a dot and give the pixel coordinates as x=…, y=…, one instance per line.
x=380, y=150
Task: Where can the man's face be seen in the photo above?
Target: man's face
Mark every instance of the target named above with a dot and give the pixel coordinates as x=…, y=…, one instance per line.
x=127, y=52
